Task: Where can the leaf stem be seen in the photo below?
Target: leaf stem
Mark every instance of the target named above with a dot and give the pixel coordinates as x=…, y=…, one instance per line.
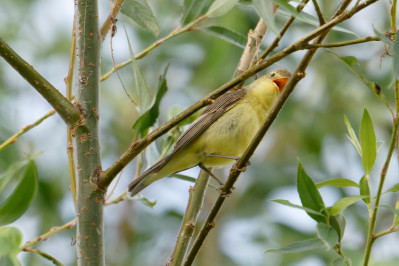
x=111, y=17
x=340, y=44
x=319, y=13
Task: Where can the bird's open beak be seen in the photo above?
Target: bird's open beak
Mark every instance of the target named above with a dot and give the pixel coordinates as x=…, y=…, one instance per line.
x=281, y=82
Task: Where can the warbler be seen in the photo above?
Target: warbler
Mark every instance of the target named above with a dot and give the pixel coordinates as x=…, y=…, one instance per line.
x=222, y=132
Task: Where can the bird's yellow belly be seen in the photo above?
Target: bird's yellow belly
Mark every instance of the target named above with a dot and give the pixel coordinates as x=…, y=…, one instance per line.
x=230, y=135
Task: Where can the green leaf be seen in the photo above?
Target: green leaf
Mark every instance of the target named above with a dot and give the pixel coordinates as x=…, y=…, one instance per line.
x=344, y=203
x=365, y=189
x=150, y=116
x=145, y=201
x=226, y=34
x=395, y=210
x=264, y=8
x=328, y=235
x=367, y=142
x=395, y=67
x=11, y=173
x=191, y=10
x=337, y=262
x=338, y=182
x=310, y=195
x=141, y=92
x=373, y=86
x=300, y=246
x=382, y=36
x=221, y=7
x=287, y=203
x=18, y=202
x=184, y=177
x=310, y=19
x=339, y=223
x=10, y=241
x=47, y=257
x=394, y=188
x=140, y=11
x=352, y=136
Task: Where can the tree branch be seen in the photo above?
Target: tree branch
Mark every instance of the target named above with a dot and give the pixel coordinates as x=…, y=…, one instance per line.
x=90, y=200
x=108, y=22
x=68, y=112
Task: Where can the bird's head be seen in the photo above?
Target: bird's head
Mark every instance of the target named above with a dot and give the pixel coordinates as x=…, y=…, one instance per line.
x=280, y=77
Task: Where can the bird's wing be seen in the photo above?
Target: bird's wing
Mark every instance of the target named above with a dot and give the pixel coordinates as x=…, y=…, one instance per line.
x=212, y=113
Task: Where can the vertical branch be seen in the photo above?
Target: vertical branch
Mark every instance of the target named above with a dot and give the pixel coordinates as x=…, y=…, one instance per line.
x=370, y=236
x=187, y=228
x=68, y=82
x=90, y=200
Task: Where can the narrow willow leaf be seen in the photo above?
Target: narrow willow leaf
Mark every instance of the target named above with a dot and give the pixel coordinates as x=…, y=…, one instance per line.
x=395, y=67
x=11, y=173
x=264, y=8
x=10, y=241
x=339, y=223
x=328, y=235
x=373, y=86
x=18, y=202
x=191, y=10
x=338, y=182
x=221, y=7
x=151, y=115
x=312, y=20
x=140, y=11
x=184, y=177
x=382, y=36
x=396, y=217
x=394, y=188
x=344, y=203
x=367, y=142
x=145, y=201
x=395, y=211
x=300, y=246
x=287, y=203
x=48, y=257
x=226, y=34
x=352, y=136
x=365, y=189
x=337, y=262
x=142, y=94
x=310, y=195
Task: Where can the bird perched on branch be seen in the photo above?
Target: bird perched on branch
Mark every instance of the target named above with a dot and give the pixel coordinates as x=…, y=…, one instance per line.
x=223, y=131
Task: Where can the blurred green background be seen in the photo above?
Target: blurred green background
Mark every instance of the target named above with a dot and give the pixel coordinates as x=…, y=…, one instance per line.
x=310, y=127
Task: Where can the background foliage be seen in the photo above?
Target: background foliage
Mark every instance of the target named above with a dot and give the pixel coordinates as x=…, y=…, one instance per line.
x=311, y=126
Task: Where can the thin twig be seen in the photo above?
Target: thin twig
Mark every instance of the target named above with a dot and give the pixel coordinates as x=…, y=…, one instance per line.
x=68, y=112
x=319, y=13
x=384, y=171
x=283, y=30
x=110, y=21
x=25, y=129
x=340, y=44
x=143, y=53
x=68, y=82
x=52, y=231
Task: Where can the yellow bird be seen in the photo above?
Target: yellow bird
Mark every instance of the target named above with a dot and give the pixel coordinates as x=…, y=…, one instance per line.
x=222, y=132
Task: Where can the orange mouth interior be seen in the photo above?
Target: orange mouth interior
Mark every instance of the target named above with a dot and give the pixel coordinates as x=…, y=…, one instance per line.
x=281, y=82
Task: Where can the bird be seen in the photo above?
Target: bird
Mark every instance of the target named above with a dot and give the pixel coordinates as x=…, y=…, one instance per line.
x=221, y=133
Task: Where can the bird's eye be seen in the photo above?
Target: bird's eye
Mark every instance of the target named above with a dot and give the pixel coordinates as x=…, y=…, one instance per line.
x=272, y=75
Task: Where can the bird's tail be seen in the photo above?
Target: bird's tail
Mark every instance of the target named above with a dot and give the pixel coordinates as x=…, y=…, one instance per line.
x=148, y=177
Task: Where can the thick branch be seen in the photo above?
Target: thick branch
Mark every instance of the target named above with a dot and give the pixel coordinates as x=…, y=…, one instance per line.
x=90, y=200
x=68, y=112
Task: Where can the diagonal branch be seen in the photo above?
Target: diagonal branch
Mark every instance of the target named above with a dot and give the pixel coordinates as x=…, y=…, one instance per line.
x=68, y=112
